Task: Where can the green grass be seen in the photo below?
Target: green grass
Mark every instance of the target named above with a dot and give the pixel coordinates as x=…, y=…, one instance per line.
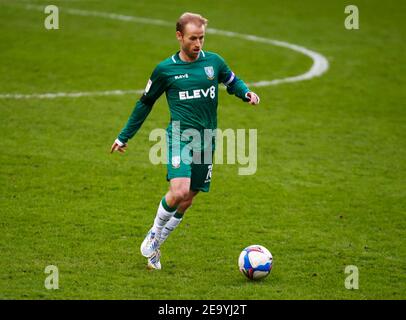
x=330, y=186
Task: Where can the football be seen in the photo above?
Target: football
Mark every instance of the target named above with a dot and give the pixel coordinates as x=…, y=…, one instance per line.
x=255, y=262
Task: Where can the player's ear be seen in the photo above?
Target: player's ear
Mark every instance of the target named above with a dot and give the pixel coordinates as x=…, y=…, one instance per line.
x=179, y=35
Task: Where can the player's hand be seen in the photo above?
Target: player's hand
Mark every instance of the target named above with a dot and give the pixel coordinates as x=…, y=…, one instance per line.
x=118, y=146
x=254, y=99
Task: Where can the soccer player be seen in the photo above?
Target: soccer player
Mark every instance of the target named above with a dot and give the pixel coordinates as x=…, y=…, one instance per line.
x=190, y=80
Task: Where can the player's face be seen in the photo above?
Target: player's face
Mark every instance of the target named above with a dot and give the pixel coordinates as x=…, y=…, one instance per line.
x=191, y=40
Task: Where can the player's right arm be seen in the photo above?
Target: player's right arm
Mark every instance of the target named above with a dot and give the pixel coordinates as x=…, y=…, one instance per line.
x=155, y=87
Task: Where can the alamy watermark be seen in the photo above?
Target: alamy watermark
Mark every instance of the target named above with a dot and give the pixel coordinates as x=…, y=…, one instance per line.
x=52, y=20
x=51, y=281
x=351, y=22
x=204, y=147
x=351, y=281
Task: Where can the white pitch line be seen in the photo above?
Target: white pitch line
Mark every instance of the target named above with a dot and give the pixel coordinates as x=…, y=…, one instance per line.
x=320, y=63
x=69, y=94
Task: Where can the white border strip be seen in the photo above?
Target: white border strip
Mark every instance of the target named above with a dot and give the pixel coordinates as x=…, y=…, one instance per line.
x=320, y=63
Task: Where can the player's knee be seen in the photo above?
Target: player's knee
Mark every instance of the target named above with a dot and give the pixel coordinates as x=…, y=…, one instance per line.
x=181, y=194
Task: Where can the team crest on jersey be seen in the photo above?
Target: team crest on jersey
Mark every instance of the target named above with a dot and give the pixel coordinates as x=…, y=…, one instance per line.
x=209, y=72
x=175, y=162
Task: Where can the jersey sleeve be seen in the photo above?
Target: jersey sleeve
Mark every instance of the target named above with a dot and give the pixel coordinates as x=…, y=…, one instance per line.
x=155, y=87
x=234, y=85
x=135, y=121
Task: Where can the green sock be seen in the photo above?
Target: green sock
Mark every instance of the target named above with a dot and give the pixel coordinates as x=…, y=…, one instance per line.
x=166, y=206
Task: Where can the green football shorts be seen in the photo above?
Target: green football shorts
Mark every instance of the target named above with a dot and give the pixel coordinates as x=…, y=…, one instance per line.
x=190, y=164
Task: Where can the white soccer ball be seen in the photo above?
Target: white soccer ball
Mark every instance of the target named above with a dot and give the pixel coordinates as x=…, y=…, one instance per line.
x=255, y=262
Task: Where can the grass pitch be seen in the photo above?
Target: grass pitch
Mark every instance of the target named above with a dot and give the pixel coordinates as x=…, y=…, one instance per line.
x=330, y=186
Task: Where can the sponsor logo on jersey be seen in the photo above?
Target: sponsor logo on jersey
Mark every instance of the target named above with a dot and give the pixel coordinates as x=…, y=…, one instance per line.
x=182, y=76
x=209, y=72
x=198, y=93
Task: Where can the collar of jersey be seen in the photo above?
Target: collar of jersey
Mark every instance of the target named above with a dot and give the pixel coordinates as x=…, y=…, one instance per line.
x=179, y=60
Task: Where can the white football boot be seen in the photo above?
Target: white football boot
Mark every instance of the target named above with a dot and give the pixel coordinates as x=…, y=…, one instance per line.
x=154, y=262
x=150, y=244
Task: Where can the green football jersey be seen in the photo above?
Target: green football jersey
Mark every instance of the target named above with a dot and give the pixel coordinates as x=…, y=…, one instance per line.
x=191, y=90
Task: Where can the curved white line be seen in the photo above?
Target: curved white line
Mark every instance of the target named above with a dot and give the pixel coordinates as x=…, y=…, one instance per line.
x=320, y=63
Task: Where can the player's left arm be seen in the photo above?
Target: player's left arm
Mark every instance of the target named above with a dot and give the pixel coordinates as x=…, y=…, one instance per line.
x=235, y=85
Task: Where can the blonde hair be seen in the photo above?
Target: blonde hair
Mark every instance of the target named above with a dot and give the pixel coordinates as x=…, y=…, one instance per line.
x=189, y=17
